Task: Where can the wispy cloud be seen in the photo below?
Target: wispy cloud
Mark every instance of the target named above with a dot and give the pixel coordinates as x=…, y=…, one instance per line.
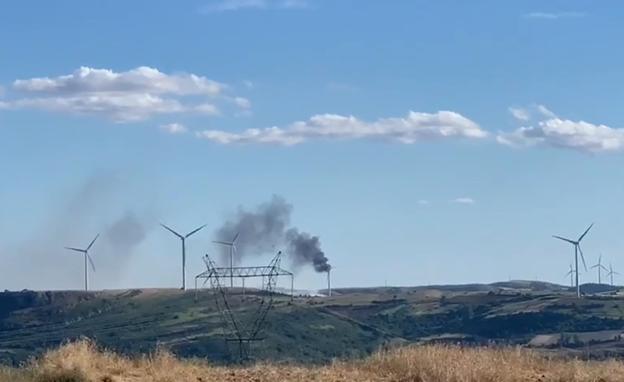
x=238, y=5
x=242, y=103
x=463, y=200
x=133, y=95
x=554, y=131
x=174, y=128
x=520, y=114
x=413, y=128
x=554, y=15
x=423, y=202
x=524, y=114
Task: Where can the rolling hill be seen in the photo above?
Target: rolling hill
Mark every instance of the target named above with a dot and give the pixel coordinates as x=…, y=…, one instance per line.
x=353, y=323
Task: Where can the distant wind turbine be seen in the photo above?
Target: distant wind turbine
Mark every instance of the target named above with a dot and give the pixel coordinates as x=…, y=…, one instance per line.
x=577, y=250
x=611, y=273
x=600, y=268
x=183, y=238
x=571, y=274
x=87, y=258
x=232, y=246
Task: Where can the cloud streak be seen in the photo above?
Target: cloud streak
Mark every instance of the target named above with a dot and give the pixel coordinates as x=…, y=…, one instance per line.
x=524, y=114
x=564, y=133
x=239, y=5
x=463, y=200
x=554, y=15
x=410, y=129
x=542, y=127
x=174, y=128
x=129, y=96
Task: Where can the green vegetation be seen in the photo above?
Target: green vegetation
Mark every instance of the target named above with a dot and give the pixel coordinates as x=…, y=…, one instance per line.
x=352, y=324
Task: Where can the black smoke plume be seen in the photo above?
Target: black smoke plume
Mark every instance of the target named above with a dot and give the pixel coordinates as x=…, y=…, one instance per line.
x=268, y=226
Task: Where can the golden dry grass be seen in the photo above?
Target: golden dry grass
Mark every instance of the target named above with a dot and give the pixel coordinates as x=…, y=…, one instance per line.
x=82, y=361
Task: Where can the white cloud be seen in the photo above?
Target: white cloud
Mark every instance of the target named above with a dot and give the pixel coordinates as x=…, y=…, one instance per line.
x=174, y=128
x=525, y=114
x=563, y=133
x=237, y=5
x=207, y=108
x=554, y=15
x=118, y=107
x=423, y=202
x=132, y=95
x=543, y=110
x=140, y=80
x=242, y=103
x=520, y=114
x=410, y=129
x=463, y=200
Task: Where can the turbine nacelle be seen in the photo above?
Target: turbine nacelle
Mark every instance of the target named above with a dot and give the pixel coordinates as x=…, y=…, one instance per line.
x=232, y=246
x=88, y=259
x=183, y=238
x=577, y=251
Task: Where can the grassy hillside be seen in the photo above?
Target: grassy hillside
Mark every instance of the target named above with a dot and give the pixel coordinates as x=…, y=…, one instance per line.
x=352, y=324
x=81, y=362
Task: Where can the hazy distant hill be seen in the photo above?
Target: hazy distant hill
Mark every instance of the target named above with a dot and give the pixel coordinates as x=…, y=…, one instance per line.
x=354, y=322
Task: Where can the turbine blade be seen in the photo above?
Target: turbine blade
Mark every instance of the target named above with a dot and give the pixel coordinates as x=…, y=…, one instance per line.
x=604, y=268
x=195, y=231
x=582, y=257
x=235, y=237
x=91, y=262
x=564, y=239
x=223, y=242
x=93, y=242
x=76, y=249
x=594, y=266
x=585, y=233
x=172, y=231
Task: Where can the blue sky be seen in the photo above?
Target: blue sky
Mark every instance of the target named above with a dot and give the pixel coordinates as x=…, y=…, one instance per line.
x=422, y=141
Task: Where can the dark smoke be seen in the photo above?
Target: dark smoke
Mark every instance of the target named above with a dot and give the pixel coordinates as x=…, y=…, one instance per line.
x=125, y=234
x=268, y=226
x=93, y=206
x=308, y=250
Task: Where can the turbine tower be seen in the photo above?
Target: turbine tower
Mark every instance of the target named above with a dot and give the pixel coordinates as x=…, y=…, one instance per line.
x=571, y=274
x=183, y=239
x=232, y=246
x=600, y=268
x=611, y=273
x=577, y=250
x=87, y=258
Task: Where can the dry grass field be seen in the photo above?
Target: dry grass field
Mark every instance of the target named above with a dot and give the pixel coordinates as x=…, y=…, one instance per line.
x=82, y=361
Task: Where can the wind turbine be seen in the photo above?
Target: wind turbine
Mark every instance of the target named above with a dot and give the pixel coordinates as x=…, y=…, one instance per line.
x=232, y=246
x=600, y=267
x=87, y=258
x=571, y=274
x=577, y=250
x=611, y=273
x=183, y=238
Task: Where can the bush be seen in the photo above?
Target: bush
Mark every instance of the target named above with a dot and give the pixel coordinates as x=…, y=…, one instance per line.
x=61, y=376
